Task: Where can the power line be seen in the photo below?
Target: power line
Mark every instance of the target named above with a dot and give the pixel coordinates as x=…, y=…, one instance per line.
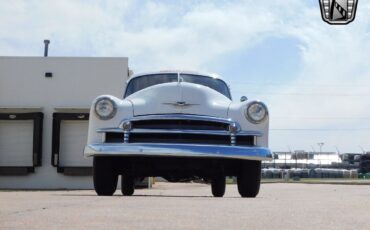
x=321, y=118
x=299, y=85
x=320, y=129
x=326, y=86
x=312, y=94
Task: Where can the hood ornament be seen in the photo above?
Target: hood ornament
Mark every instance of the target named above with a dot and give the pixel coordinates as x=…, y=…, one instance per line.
x=179, y=103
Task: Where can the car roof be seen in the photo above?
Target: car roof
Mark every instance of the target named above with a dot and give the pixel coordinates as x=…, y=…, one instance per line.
x=212, y=75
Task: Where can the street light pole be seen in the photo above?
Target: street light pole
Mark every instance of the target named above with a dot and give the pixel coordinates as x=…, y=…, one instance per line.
x=320, y=145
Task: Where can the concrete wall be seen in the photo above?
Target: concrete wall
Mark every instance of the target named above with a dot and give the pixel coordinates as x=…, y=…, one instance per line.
x=73, y=86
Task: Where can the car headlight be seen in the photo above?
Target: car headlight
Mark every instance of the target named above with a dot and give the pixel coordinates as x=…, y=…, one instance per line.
x=256, y=112
x=105, y=108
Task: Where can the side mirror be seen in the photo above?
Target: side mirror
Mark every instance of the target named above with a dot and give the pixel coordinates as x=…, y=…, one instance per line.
x=243, y=98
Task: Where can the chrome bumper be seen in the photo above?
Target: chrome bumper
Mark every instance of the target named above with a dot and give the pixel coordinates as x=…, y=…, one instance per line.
x=178, y=150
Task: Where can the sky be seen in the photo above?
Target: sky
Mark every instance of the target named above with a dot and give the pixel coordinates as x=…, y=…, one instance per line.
x=314, y=77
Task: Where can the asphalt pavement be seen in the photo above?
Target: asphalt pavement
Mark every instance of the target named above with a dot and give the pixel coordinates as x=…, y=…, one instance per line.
x=191, y=206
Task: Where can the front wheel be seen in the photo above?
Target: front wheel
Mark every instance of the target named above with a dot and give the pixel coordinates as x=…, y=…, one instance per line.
x=104, y=176
x=127, y=184
x=218, y=184
x=249, y=178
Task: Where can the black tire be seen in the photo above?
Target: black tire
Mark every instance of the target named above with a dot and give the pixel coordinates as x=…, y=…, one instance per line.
x=105, y=179
x=218, y=185
x=127, y=184
x=249, y=178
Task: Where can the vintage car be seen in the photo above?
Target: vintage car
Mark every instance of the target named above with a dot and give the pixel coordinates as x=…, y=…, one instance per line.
x=180, y=126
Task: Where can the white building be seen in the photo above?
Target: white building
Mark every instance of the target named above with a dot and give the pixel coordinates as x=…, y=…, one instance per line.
x=44, y=110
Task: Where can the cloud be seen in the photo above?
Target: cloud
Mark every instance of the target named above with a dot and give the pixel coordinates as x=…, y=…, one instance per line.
x=334, y=65
x=152, y=34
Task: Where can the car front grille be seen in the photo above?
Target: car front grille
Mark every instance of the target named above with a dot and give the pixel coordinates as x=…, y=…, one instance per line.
x=180, y=138
x=179, y=124
x=181, y=129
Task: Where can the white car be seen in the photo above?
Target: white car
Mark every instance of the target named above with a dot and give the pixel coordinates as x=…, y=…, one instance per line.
x=180, y=126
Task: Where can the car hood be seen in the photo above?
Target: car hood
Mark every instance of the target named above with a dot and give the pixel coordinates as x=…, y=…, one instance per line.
x=179, y=97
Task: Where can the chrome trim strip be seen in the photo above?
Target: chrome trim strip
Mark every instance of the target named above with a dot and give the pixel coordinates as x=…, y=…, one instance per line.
x=176, y=131
x=250, y=133
x=179, y=103
x=110, y=130
x=178, y=150
x=104, y=137
x=126, y=136
x=182, y=117
x=232, y=139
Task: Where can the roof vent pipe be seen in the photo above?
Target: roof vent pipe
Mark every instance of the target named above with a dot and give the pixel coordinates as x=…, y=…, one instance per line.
x=46, y=50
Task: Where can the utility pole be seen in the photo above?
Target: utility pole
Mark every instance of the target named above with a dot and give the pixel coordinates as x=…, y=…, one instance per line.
x=338, y=154
x=320, y=144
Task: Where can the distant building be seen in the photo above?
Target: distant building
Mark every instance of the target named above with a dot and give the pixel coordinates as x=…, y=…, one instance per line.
x=304, y=159
x=364, y=164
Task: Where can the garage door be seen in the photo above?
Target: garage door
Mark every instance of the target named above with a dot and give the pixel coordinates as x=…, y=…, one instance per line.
x=69, y=139
x=20, y=142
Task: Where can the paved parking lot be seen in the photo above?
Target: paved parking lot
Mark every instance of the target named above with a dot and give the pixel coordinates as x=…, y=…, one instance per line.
x=190, y=206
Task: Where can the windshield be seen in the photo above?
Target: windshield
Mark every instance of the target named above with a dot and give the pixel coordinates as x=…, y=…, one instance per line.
x=145, y=81
x=213, y=83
